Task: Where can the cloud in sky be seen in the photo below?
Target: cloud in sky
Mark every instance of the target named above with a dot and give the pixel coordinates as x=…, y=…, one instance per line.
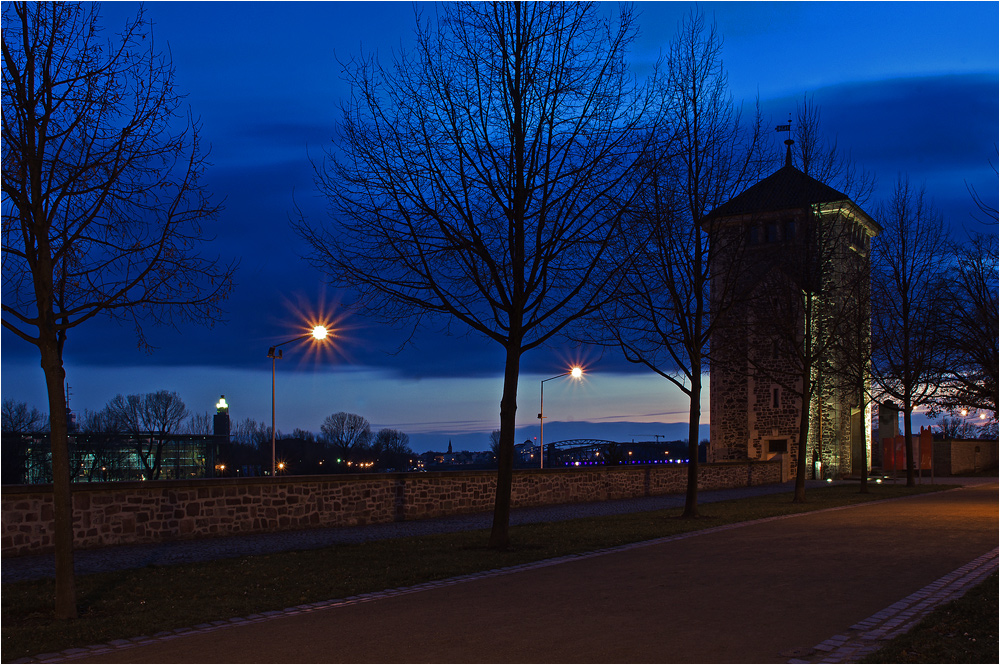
x=940, y=131
x=889, y=127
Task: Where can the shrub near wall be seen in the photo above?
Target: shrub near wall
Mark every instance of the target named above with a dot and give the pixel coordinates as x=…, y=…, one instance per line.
x=131, y=513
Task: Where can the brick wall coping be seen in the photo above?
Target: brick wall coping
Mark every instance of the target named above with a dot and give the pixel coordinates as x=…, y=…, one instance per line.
x=46, y=488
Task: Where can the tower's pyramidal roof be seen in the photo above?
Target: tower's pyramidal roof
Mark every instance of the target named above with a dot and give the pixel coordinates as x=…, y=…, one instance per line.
x=784, y=189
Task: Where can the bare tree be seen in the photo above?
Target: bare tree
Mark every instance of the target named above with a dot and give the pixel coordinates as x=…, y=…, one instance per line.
x=347, y=434
x=851, y=373
x=988, y=213
x=495, y=443
x=252, y=433
x=851, y=345
x=250, y=445
x=103, y=202
x=392, y=448
x=164, y=413
x=18, y=417
x=21, y=460
x=665, y=315
x=303, y=435
x=124, y=414
x=909, y=261
x=149, y=419
x=810, y=308
x=485, y=176
x=968, y=313
x=98, y=447
x=199, y=423
x=825, y=161
x=958, y=428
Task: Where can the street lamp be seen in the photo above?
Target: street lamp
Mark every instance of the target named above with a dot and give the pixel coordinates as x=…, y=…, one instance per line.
x=274, y=353
x=576, y=373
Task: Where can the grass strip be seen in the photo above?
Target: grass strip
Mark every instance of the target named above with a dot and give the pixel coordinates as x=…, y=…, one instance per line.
x=962, y=631
x=145, y=601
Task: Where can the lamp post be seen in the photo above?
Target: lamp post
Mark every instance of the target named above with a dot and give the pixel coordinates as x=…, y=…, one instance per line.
x=317, y=333
x=576, y=373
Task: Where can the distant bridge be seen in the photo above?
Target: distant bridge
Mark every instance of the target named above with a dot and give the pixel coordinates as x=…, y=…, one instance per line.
x=583, y=443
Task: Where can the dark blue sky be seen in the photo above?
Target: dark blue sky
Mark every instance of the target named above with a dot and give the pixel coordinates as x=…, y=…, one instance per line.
x=907, y=88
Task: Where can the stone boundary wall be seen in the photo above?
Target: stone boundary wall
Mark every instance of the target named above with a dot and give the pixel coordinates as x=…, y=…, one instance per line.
x=964, y=456
x=108, y=514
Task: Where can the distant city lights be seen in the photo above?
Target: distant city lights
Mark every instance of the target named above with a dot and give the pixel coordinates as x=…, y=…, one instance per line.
x=626, y=462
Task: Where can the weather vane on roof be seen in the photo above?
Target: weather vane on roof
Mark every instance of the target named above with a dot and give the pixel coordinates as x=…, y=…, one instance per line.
x=786, y=128
x=788, y=141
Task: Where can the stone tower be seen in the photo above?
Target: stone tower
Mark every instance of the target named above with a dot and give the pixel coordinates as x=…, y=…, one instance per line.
x=790, y=266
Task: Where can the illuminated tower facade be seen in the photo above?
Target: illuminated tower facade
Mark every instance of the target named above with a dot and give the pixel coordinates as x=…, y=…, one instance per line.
x=790, y=262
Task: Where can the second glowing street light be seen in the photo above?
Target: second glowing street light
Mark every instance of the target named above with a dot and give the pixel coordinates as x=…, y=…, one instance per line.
x=576, y=373
x=318, y=333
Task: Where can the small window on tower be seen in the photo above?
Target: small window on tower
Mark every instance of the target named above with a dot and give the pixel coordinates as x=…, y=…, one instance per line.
x=772, y=232
x=790, y=229
x=777, y=446
x=775, y=398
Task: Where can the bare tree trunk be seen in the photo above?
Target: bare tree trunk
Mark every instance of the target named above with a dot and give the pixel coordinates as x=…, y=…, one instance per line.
x=694, y=423
x=500, y=534
x=908, y=442
x=865, y=426
x=62, y=499
x=800, y=463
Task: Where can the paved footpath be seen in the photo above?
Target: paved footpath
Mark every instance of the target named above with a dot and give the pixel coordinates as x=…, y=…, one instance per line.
x=819, y=587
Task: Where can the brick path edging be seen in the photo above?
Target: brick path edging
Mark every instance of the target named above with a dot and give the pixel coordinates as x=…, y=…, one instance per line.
x=873, y=633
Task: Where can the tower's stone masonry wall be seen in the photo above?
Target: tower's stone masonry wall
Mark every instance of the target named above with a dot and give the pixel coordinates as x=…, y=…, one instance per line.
x=107, y=514
x=768, y=422
x=751, y=355
x=728, y=405
x=831, y=435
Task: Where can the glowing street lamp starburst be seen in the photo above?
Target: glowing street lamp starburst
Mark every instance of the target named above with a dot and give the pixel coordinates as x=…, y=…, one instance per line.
x=576, y=372
x=321, y=335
